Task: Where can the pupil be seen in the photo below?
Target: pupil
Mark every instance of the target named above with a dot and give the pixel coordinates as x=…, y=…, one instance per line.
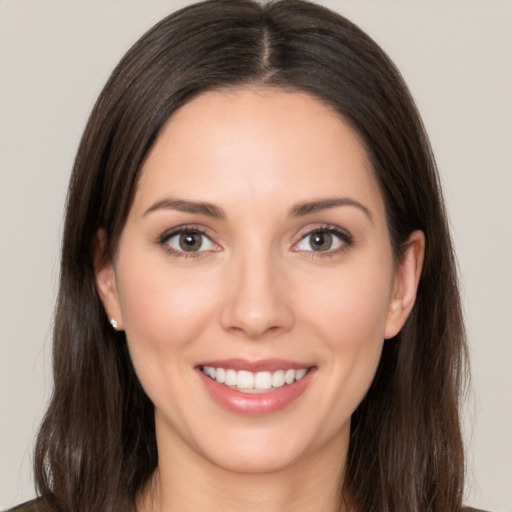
x=321, y=241
x=190, y=241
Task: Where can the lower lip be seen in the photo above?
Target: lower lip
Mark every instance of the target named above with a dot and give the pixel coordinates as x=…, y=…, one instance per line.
x=255, y=404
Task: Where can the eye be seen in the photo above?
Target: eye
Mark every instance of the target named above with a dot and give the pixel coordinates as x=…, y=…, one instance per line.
x=188, y=241
x=324, y=240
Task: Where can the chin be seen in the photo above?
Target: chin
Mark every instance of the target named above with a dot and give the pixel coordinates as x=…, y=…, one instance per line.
x=271, y=460
x=251, y=451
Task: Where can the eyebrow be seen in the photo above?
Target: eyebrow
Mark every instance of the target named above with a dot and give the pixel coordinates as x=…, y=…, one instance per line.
x=302, y=209
x=299, y=210
x=182, y=205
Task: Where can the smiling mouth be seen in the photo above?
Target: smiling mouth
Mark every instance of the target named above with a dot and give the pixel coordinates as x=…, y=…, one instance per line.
x=254, y=382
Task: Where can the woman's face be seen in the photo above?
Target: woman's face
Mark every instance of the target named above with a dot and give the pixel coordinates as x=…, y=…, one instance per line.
x=255, y=280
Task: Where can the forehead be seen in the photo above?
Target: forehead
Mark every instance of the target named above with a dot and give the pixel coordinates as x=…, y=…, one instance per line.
x=256, y=142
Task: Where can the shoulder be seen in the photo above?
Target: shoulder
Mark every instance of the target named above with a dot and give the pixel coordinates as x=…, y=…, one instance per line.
x=36, y=505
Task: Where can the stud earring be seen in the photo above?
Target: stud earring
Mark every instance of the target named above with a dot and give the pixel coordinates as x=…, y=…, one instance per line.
x=113, y=323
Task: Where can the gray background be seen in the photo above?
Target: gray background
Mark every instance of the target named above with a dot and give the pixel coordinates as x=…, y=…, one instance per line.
x=455, y=55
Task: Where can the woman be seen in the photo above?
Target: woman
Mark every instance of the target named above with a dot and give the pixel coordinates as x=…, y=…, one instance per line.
x=258, y=305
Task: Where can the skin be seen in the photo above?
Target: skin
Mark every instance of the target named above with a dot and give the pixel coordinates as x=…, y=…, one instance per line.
x=256, y=289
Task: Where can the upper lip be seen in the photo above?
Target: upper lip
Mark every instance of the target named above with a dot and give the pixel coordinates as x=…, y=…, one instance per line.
x=261, y=365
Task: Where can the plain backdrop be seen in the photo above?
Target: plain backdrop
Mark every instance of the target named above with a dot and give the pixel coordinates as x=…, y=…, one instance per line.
x=455, y=55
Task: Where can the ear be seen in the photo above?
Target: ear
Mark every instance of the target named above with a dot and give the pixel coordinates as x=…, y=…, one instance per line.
x=105, y=279
x=407, y=277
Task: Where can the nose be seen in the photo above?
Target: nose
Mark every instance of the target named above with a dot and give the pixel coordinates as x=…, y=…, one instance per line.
x=258, y=302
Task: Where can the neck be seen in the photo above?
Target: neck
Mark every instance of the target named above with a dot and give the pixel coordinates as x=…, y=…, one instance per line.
x=186, y=482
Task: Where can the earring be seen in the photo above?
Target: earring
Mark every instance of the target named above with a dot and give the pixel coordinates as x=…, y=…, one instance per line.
x=113, y=323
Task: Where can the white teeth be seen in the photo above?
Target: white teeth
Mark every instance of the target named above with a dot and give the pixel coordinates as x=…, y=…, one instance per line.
x=254, y=382
x=245, y=380
x=289, y=376
x=230, y=379
x=299, y=373
x=221, y=375
x=263, y=380
x=278, y=379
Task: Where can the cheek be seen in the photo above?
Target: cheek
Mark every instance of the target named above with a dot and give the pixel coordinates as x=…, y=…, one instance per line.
x=348, y=311
x=164, y=312
x=351, y=305
x=163, y=308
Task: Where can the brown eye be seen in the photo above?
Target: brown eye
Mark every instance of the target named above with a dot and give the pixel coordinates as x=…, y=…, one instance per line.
x=324, y=240
x=189, y=241
x=320, y=241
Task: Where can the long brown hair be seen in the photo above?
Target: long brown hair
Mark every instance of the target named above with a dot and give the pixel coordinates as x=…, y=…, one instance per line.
x=96, y=448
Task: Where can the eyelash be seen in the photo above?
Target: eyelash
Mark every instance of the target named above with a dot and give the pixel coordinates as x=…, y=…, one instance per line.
x=164, y=238
x=346, y=239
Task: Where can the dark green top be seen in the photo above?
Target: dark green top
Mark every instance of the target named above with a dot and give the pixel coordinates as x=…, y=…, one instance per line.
x=38, y=506
x=30, y=506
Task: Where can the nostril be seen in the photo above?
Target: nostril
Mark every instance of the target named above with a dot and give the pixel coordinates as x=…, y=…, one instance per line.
x=256, y=305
